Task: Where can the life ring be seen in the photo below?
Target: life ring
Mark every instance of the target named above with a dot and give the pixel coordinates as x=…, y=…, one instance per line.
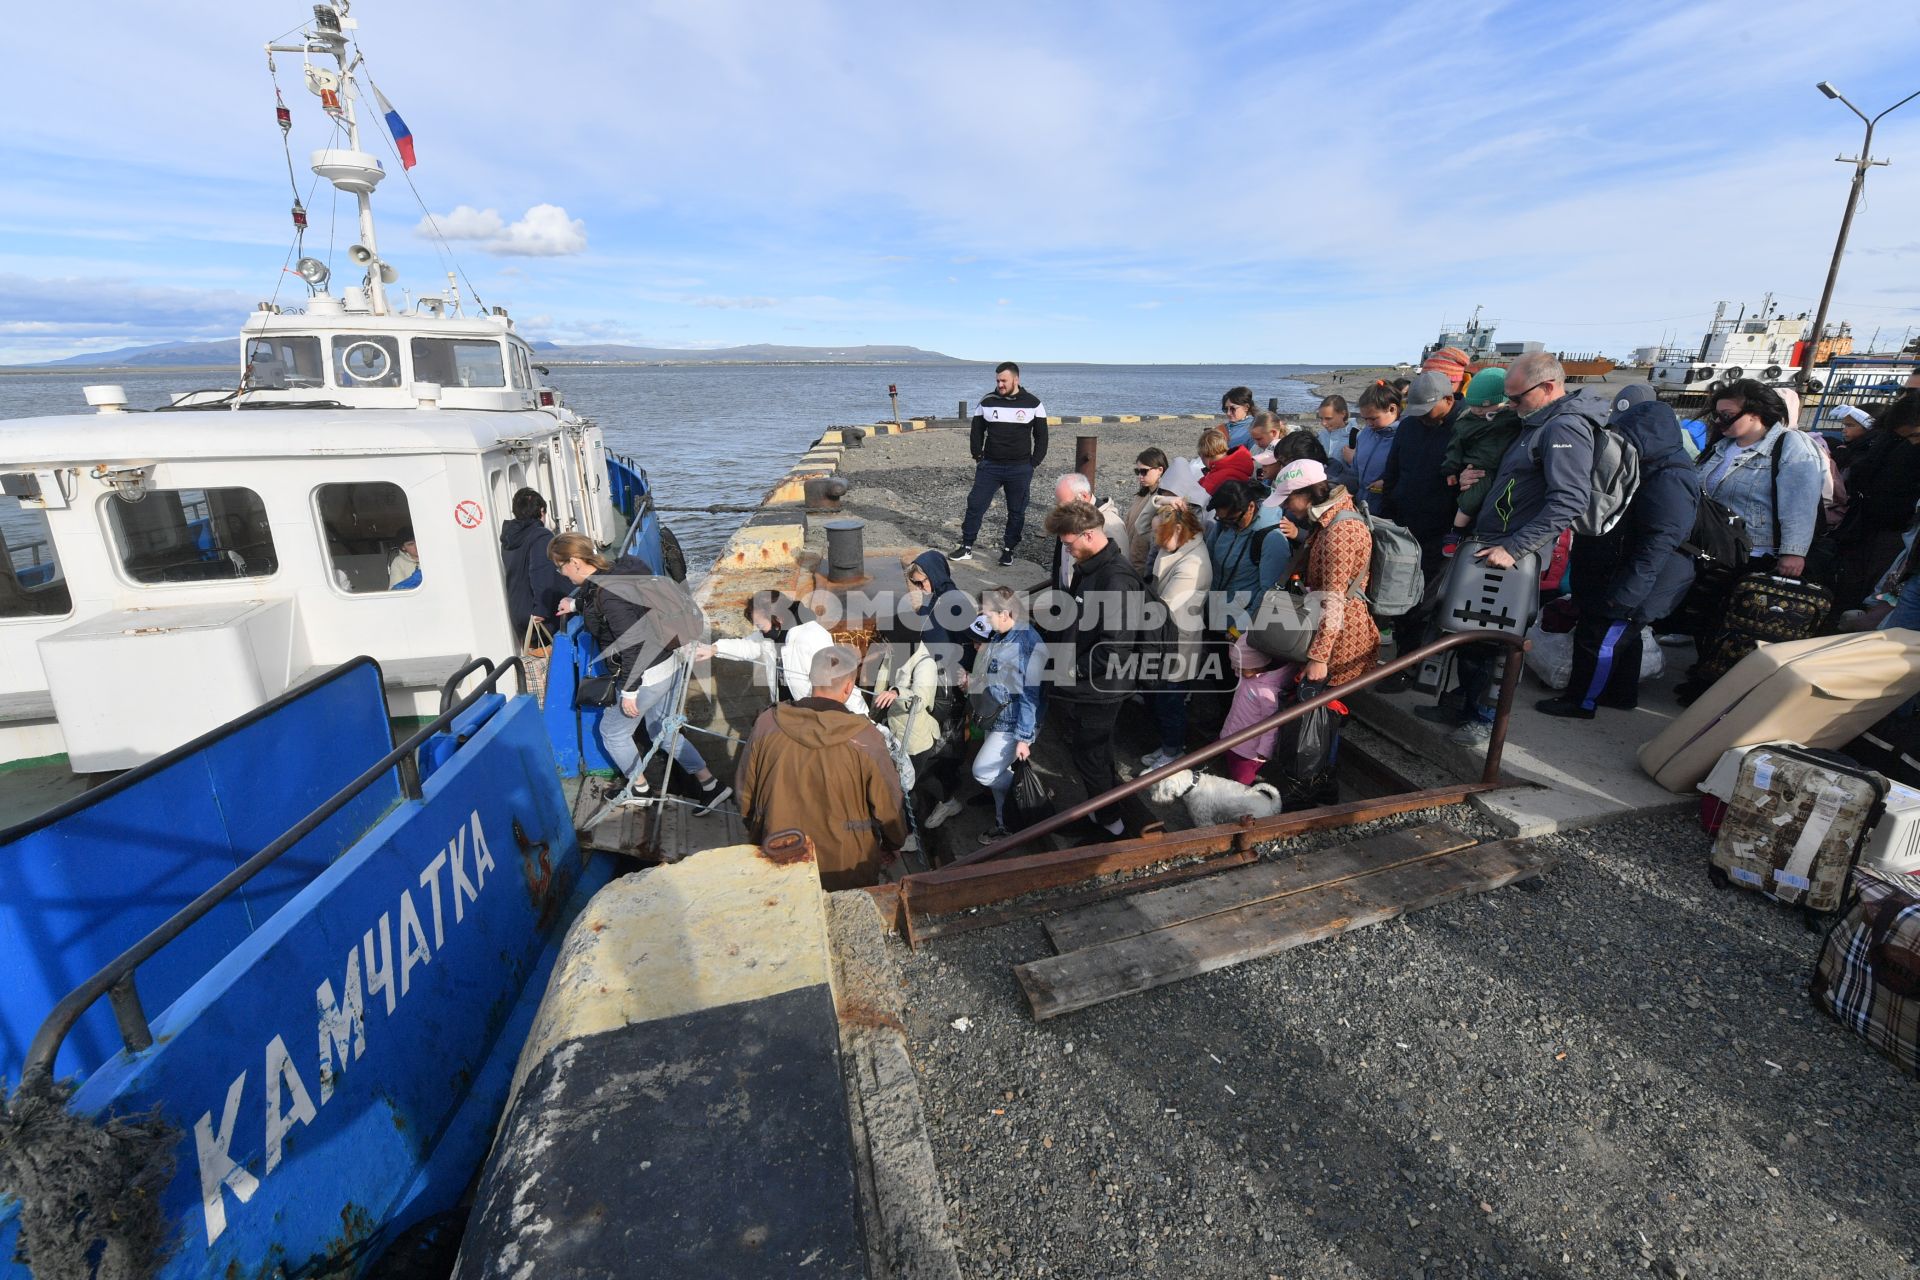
x=382, y=366
x=1733, y=374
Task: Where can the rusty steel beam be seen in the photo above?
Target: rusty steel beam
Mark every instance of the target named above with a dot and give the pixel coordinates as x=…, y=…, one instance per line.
x=919, y=930
x=957, y=887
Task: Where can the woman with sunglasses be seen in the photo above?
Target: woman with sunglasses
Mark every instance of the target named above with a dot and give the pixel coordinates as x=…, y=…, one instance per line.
x=1770, y=475
x=1146, y=504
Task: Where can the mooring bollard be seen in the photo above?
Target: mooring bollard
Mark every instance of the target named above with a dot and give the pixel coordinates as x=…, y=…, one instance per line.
x=846, y=551
x=963, y=415
x=893, y=394
x=1086, y=452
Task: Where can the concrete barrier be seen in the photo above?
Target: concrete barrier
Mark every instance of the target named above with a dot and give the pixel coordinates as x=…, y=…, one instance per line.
x=678, y=1109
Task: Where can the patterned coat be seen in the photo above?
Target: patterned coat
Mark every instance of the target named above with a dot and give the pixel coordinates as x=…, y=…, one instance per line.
x=1348, y=641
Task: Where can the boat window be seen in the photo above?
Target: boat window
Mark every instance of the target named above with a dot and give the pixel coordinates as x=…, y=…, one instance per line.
x=193, y=535
x=453, y=362
x=276, y=363
x=522, y=369
x=32, y=585
x=368, y=531
x=366, y=361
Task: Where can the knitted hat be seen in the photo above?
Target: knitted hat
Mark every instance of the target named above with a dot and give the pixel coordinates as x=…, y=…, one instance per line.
x=1489, y=386
x=1451, y=361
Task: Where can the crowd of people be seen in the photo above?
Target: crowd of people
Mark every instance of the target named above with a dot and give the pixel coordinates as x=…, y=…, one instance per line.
x=1157, y=596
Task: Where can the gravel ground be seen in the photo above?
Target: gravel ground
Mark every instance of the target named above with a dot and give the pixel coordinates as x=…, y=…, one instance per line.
x=1611, y=1070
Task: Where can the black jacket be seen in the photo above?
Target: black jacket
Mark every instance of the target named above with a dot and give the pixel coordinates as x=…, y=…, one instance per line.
x=534, y=585
x=1636, y=570
x=1882, y=487
x=638, y=617
x=1414, y=489
x=1010, y=428
x=1110, y=601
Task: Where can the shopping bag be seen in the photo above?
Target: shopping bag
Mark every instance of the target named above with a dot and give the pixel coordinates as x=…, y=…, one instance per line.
x=536, y=651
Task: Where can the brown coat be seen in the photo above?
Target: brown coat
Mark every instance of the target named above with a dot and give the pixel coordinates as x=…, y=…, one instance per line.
x=1337, y=562
x=816, y=767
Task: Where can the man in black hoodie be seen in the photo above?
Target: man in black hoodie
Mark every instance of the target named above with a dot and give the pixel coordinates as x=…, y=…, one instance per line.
x=534, y=586
x=1415, y=491
x=1009, y=439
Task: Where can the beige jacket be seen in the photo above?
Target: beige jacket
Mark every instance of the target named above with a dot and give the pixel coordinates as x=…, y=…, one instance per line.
x=910, y=718
x=1139, y=521
x=1181, y=578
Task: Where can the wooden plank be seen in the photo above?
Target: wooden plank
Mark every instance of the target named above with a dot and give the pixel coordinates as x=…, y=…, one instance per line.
x=956, y=888
x=1079, y=979
x=925, y=930
x=1164, y=908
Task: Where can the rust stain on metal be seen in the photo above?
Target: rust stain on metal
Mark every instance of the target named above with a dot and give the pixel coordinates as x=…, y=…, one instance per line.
x=536, y=864
x=784, y=848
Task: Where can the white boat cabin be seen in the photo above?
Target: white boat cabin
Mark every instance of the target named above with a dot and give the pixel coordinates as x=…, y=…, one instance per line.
x=167, y=571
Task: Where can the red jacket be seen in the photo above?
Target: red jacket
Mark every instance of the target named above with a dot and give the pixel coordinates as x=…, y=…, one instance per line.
x=1237, y=465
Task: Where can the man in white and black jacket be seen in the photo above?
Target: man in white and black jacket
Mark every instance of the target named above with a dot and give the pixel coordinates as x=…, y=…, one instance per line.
x=1009, y=440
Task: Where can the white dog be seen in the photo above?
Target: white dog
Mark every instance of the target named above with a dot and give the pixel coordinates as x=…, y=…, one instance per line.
x=1212, y=800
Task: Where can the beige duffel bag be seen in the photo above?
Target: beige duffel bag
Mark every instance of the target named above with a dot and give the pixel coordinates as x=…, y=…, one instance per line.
x=1820, y=692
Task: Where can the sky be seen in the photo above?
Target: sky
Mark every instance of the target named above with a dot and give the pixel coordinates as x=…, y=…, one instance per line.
x=1125, y=183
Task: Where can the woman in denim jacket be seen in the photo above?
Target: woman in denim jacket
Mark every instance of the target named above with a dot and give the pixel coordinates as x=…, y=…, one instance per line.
x=1737, y=471
x=1006, y=674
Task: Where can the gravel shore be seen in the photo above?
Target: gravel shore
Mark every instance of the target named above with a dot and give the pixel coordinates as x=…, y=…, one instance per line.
x=1610, y=1071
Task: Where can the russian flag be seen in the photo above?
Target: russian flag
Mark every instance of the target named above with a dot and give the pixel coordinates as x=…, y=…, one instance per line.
x=402, y=136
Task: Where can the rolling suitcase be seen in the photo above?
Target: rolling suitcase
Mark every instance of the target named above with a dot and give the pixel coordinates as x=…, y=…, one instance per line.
x=1868, y=974
x=1478, y=597
x=1794, y=825
x=1763, y=609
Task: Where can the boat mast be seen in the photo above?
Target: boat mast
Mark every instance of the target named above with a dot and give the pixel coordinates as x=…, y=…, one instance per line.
x=352, y=170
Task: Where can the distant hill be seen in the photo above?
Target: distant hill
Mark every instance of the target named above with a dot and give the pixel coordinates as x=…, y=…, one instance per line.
x=223, y=351
x=227, y=352
x=758, y=353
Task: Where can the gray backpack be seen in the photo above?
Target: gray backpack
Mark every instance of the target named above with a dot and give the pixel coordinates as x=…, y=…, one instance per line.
x=1394, y=581
x=1616, y=478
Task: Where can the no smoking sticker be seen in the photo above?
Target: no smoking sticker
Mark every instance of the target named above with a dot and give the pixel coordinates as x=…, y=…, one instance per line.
x=467, y=514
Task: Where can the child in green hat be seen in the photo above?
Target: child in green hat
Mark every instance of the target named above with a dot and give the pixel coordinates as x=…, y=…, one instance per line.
x=1480, y=439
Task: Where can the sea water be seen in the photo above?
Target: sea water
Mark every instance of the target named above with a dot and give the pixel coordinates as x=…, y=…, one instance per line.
x=722, y=435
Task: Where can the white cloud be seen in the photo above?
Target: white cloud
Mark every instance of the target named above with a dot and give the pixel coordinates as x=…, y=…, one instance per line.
x=742, y=303
x=545, y=232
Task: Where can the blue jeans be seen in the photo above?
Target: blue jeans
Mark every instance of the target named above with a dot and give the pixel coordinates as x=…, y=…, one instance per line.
x=1013, y=478
x=616, y=731
x=993, y=769
x=1169, y=707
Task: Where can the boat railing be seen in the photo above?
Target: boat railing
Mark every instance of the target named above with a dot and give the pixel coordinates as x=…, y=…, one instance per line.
x=1489, y=774
x=116, y=982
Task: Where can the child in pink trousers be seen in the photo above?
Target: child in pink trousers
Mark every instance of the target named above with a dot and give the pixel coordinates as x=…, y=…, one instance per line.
x=1256, y=697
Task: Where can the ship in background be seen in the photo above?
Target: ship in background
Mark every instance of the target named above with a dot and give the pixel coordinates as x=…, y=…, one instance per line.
x=1474, y=348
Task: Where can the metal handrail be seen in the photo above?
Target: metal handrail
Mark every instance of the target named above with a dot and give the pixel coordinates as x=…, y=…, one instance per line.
x=1509, y=681
x=453, y=681
x=116, y=981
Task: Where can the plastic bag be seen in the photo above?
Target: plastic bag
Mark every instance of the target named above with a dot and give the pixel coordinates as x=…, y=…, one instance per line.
x=1550, y=656
x=1310, y=777
x=1030, y=800
x=536, y=650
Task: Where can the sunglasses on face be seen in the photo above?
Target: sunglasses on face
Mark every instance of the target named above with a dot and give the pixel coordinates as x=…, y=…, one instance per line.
x=1141, y=471
x=1724, y=420
x=1513, y=396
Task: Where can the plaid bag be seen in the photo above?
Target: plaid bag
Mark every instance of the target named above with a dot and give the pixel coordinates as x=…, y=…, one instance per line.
x=1868, y=975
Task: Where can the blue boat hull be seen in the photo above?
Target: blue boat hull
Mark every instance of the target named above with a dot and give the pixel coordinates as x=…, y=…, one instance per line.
x=335, y=1076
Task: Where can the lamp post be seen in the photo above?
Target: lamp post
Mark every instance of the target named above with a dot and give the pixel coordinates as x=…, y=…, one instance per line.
x=1861, y=163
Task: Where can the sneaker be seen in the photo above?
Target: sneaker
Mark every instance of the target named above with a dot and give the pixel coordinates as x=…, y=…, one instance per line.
x=1006, y=558
x=1473, y=733
x=1450, y=544
x=1441, y=715
x=711, y=797
x=961, y=552
x=941, y=812
x=991, y=834
x=633, y=793
x=1674, y=640
x=1157, y=759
